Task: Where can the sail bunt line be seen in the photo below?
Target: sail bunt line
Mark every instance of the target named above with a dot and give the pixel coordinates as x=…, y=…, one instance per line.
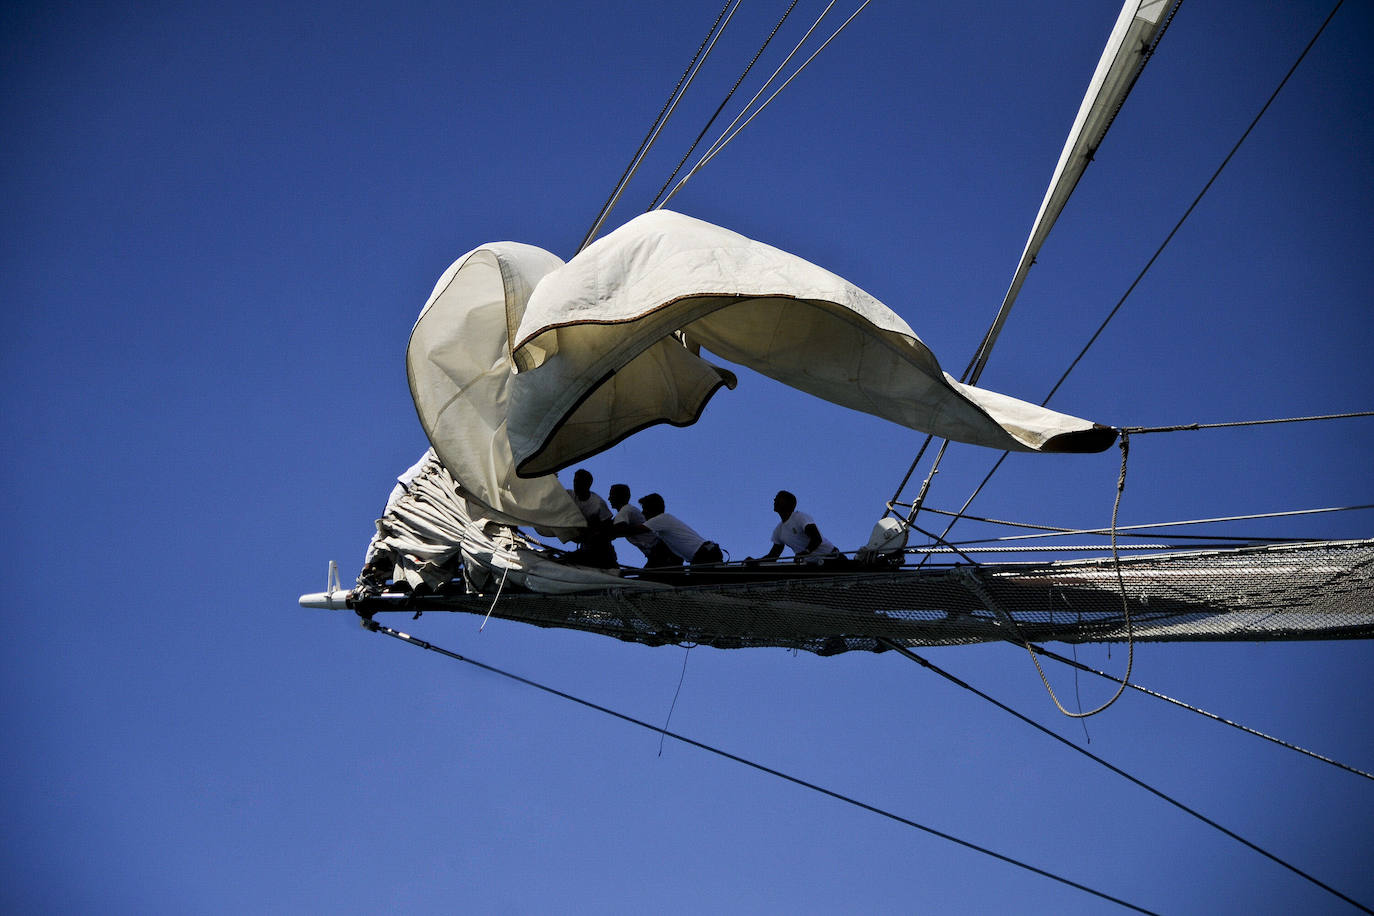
x=1316, y=590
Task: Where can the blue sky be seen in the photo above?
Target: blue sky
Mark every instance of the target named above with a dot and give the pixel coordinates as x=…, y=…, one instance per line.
x=219, y=226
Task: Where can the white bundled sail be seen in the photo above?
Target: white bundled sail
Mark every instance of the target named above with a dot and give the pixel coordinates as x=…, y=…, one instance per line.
x=431, y=533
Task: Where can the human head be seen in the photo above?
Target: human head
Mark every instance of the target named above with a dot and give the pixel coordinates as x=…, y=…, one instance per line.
x=784, y=503
x=619, y=495
x=582, y=483
x=651, y=504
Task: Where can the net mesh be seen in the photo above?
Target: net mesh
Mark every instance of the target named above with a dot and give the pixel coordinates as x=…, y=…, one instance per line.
x=1319, y=590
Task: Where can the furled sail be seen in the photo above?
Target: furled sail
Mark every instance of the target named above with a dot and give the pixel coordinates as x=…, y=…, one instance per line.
x=598, y=357
x=1137, y=29
x=430, y=534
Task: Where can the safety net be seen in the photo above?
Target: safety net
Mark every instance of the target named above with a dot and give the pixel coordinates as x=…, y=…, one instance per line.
x=1310, y=590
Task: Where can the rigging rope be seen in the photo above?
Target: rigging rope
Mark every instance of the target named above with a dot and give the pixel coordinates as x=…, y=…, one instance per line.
x=1202, y=712
x=1138, y=430
x=1122, y=301
x=732, y=131
x=904, y=651
x=1196, y=200
x=422, y=644
x=676, y=96
x=723, y=102
x=975, y=368
x=1052, y=531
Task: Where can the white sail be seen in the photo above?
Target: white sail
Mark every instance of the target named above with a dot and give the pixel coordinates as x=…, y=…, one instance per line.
x=1125, y=55
x=460, y=371
x=598, y=358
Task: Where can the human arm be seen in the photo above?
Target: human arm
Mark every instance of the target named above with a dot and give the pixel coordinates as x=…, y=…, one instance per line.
x=813, y=539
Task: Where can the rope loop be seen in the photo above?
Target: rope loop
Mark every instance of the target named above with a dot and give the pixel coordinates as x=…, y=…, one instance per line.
x=1125, y=444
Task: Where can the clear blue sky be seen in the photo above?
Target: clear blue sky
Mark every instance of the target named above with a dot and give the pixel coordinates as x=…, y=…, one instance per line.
x=219, y=223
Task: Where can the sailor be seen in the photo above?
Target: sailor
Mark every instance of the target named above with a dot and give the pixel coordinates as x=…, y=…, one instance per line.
x=629, y=521
x=676, y=539
x=798, y=531
x=594, y=544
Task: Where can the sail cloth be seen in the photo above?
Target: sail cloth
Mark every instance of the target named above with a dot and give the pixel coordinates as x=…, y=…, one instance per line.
x=521, y=365
x=460, y=370
x=430, y=533
x=597, y=356
x=1138, y=27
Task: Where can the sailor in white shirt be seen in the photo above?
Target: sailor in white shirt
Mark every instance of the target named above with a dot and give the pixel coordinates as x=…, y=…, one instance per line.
x=677, y=541
x=798, y=531
x=592, y=506
x=593, y=545
x=629, y=521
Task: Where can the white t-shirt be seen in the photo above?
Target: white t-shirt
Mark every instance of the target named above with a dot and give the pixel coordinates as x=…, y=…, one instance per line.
x=792, y=533
x=630, y=515
x=593, y=508
x=675, y=533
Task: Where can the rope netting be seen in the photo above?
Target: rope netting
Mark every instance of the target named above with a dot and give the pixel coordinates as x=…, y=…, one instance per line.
x=1319, y=590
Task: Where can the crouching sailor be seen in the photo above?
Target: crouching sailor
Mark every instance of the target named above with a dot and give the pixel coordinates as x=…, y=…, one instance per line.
x=676, y=539
x=594, y=544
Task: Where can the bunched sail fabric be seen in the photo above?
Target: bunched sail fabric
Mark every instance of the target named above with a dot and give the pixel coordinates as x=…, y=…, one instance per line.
x=605, y=347
x=460, y=370
x=430, y=533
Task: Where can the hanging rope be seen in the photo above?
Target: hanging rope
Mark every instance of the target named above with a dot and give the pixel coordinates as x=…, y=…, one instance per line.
x=1202, y=712
x=422, y=644
x=904, y=651
x=1125, y=609
x=505, y=572
x=663, y=734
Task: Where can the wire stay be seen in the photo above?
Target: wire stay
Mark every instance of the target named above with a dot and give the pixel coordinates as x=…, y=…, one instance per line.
x=907, y=653
x=422, y=644
x=1202, y=712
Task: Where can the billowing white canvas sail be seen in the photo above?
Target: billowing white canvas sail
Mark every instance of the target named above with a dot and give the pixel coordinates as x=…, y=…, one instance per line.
x=610, y=314
x=460, y=371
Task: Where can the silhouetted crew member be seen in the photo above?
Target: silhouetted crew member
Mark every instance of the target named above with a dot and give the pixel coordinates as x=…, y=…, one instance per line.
x=676, y=539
